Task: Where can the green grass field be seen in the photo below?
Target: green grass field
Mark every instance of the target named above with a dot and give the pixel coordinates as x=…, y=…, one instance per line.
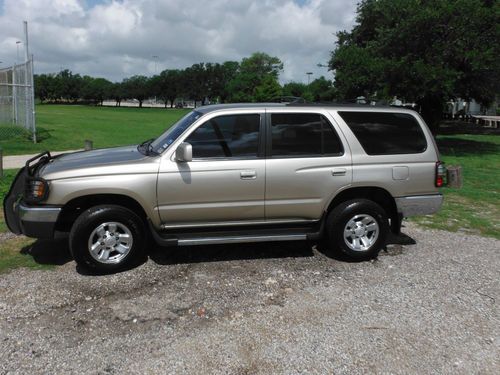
x=473, y=209
x=476, y=207
x=66, y=127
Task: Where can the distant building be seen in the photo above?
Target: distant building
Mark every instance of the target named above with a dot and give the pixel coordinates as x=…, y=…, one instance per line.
x=462, y=107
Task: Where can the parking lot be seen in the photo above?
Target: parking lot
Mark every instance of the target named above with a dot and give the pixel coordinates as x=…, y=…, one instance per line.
x=429, y=307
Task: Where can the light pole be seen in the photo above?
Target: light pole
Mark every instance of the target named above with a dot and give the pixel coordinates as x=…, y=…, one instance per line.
x=155, y=59
x=17, y=48
x=309, y=74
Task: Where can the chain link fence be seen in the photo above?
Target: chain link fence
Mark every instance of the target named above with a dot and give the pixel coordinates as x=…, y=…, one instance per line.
x=17, y=102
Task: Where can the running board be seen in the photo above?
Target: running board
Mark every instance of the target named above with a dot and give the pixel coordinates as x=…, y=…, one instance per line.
x=239, y=239
x=234, y=235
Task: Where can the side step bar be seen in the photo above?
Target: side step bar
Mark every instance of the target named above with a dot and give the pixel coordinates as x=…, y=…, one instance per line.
x=239, y=239
x=233, y=236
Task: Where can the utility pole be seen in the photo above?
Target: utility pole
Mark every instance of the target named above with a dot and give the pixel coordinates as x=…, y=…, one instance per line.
x=155, y=59
x=309, y=74
x=17, y=51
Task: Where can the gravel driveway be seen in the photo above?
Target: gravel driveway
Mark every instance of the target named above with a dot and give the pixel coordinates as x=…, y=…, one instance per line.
x=263, y=308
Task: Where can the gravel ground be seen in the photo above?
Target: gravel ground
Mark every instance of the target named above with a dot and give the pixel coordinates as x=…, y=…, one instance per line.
x=267, y=308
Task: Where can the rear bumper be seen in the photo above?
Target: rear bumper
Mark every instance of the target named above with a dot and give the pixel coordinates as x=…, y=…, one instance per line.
x=419, y=204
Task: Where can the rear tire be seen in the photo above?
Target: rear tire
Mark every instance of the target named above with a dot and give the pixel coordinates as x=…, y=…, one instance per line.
x=357, y=228
x=107, y=238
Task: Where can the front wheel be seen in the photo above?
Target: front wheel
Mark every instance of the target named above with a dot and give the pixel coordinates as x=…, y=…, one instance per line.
x=358, y=228
x=107, y=238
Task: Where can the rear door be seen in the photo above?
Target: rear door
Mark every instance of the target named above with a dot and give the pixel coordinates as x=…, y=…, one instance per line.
x=308, y=162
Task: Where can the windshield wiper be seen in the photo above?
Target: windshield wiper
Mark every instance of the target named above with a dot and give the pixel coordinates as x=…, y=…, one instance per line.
x=146, y=147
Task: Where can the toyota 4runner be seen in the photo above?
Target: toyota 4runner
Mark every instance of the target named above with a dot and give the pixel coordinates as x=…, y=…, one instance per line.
x=237, y=173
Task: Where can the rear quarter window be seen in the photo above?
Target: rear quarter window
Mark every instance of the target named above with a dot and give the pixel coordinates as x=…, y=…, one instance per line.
x=384, y=133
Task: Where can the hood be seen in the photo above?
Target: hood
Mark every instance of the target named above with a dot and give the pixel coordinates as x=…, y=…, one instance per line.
x=86, y=160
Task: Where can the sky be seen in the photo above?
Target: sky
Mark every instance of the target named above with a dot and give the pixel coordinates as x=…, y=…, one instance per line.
x=116, y=39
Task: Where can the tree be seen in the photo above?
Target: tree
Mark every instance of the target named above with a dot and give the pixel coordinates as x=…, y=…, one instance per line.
x=167, y=86
x=321, y=90
x=43, y=84
x=268, y=90
x=251, y=74
x=67, y=85
x=117, y=93
x=95, y=89
x=195, y=82
x=424, y=51
x=136, y=87
x=219, y=76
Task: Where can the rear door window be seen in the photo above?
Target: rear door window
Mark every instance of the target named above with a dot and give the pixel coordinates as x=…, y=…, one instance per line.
x=384, y=133
x=302, y=135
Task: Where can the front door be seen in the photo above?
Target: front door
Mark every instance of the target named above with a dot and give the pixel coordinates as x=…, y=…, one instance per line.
x=225, y=181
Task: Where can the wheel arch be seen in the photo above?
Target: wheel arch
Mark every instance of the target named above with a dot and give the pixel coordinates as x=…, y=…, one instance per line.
x=374, y=193
x=73, y=208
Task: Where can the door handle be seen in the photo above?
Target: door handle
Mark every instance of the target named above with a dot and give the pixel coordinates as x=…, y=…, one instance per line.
x=339, y=171
x=248, y=175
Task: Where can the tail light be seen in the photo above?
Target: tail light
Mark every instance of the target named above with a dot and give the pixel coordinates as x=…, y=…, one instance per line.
x=440, y=174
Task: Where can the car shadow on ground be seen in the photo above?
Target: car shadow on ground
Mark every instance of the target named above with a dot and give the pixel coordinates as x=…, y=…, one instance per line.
x=230, y=252
x=49, y=252
x=56, y=252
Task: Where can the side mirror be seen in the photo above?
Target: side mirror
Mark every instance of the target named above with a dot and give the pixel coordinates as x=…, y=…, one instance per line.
x=184, y=152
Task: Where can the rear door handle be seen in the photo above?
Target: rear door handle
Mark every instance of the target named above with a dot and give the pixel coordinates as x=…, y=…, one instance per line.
x=339, y=171
x=248, y=175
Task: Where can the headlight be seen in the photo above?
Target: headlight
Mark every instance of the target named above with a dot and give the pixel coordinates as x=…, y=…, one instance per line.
x=36, y=190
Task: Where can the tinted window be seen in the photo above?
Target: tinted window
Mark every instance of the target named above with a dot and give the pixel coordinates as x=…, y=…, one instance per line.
x=307, y=134
x=227, y=136
x=386, y=133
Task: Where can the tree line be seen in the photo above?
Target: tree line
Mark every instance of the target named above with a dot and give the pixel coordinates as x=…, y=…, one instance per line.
x=254, y=79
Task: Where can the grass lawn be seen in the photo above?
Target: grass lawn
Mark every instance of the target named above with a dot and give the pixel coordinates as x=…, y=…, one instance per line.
x=10, y=250
x=13, y=255
x=476, y=207
x=66, y=127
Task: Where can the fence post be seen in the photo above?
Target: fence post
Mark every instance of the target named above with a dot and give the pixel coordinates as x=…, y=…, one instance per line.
x=454, y=176
x=88, y=145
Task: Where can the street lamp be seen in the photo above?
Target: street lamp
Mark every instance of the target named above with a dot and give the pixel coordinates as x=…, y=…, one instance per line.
x=309, y=74
x=17, y=47
x=155, y=58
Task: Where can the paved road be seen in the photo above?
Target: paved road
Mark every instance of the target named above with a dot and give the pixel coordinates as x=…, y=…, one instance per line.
x=18, y=161
x=260, y=309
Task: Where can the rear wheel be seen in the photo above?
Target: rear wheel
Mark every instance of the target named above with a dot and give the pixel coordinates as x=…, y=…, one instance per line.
x=357, y=228
x=107, y=238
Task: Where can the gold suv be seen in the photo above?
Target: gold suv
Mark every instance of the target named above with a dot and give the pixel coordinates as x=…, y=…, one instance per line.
x=237, y=173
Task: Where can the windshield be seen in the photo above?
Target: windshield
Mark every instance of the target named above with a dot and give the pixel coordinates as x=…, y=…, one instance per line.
x=166, y=139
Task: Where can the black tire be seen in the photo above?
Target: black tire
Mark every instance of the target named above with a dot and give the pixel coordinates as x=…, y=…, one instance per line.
x=357, y=210
x=96, y=217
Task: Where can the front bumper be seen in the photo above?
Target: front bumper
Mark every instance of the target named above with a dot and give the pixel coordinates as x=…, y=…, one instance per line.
x=38, y=222
x=419, y=204
x=34, y=221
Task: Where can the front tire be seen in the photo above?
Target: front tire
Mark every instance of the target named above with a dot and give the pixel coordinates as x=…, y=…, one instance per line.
x=357, y=228
x=107, y=238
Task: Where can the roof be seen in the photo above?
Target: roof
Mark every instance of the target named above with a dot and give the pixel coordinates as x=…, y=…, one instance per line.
x=344, y=106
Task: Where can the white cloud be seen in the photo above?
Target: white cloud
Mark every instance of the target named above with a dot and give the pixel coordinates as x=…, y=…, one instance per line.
x=115, y=39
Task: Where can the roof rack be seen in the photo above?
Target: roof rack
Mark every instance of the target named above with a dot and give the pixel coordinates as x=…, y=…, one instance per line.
x=337, y=104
